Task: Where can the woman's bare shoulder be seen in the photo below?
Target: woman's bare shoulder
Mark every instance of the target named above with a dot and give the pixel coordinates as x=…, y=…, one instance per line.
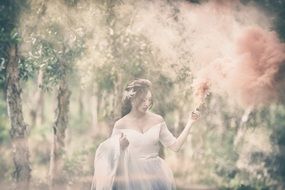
x=119, y=124
x=156, y=117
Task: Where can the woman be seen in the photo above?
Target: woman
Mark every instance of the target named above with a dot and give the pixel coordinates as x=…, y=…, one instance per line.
x=129, y=159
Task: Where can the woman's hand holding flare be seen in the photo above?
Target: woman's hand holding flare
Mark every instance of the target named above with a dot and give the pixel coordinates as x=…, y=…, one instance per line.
x=193, y=117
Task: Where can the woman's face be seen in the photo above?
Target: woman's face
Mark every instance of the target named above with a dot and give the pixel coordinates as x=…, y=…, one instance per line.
x=143, y=102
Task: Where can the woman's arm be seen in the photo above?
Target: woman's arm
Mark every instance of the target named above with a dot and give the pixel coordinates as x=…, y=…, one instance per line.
x=176, y=146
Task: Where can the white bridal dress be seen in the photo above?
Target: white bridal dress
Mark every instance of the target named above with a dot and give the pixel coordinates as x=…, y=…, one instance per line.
x=139, y=166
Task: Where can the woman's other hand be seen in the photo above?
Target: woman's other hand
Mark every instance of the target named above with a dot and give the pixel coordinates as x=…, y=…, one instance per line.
x=124, y=143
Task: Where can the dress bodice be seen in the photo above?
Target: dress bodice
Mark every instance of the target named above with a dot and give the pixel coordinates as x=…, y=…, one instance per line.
x=146, y=145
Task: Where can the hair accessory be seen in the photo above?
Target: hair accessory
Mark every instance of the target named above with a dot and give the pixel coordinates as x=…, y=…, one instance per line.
x=129, y=93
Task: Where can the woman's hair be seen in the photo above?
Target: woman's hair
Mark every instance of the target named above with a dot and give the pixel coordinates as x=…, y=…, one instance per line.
x=133, y=90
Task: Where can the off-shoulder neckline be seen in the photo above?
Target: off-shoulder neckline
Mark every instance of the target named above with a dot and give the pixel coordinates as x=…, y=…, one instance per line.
x=144, y=132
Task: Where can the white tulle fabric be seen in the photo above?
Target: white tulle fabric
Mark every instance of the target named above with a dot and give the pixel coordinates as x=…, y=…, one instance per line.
x=139, y=166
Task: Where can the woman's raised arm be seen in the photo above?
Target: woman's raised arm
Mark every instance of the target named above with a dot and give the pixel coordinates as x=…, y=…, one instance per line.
x=180, y=140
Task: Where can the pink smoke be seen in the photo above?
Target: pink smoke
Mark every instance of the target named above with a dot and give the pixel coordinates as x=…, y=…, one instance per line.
x=201, y=87
x=249, y=76
x=227, y=45
x=260, y=55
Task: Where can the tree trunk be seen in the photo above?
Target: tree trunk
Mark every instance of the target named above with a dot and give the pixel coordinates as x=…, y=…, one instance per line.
x=80, y=103
x=56, y=175
x=94, y=113
x=37, y=115
x=18, y=131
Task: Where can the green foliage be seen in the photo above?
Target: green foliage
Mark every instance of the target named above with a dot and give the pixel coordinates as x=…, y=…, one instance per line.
x=275, y=162
x=106, y=77
x=71, y=2
x=9, y=11
x=164, y=87
x=4, y=132
x=276, y=8
x=53, y=55
x=79, y=164
x=27, y=69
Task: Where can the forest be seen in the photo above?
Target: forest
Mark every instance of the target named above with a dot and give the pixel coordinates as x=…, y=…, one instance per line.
x=64, y=65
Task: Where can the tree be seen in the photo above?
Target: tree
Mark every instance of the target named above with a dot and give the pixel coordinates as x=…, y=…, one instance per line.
x=11, y=10
x=53, y=46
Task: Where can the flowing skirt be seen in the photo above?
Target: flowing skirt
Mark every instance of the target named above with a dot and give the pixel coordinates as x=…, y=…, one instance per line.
x=144, y=174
